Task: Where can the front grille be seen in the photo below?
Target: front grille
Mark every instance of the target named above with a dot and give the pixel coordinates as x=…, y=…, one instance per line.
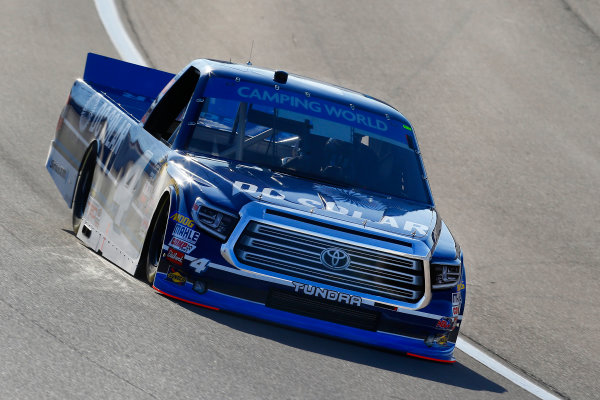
x=298, y=255
x=323, y=310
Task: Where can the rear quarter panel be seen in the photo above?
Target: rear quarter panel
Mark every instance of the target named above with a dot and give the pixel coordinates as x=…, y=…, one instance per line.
x=129, y=177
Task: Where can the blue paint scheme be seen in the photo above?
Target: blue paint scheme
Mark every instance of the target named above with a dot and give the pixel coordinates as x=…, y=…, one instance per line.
x=110, y=110
x=130, y=85
x=445, y=248
x=233, y=304
x=222, y=174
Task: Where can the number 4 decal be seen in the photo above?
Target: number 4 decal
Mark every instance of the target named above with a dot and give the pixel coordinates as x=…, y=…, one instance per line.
x=200, y=264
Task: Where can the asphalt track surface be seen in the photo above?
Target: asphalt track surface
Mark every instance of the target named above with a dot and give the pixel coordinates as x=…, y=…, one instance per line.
x=505, y=98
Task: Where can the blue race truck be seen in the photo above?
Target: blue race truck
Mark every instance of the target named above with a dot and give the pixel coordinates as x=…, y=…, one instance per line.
x=262, y=193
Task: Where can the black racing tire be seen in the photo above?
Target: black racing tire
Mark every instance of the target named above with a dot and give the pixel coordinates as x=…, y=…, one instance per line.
x=83, y=187
x=152, y=249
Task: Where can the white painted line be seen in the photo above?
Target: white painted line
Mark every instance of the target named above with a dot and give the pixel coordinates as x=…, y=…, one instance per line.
x=107, y=10
x=124, y=45
x=497, y=366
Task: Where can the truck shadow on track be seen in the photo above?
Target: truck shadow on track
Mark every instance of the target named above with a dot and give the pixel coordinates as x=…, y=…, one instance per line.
x=456, y=374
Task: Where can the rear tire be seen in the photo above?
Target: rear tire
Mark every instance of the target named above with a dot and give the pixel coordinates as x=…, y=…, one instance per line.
x=153, y=245
x=83, y=187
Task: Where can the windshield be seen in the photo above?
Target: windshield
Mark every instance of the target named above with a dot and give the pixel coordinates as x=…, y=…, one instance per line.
x=308, y=137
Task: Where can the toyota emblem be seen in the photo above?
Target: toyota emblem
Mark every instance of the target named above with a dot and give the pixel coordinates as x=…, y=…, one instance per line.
x=334, y=258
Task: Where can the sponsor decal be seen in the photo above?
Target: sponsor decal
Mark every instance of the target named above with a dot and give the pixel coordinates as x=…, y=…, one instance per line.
x=175, y=256
x=94, y=212
x=326, y=294
x=335, y=259
x=446, y=323
x=332, y=111
x=104, y=121
x=416, y=228
x=440, y=340
x=59, y=169
x=144, y=225
x=271, y=193
x=184, y=233
x=455, y=310
x=182, y=219
x=176, y=275
x=181, y=245
x=349, y=196
x=145, y=194
x=460, y=286
x=456, y=299
x=456, y=302
x=395, y=222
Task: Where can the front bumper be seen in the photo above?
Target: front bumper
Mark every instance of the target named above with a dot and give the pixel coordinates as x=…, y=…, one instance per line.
x=235, y=291
x=426, y=329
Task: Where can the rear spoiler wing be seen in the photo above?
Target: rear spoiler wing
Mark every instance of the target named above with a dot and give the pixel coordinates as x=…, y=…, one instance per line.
x=126, y=83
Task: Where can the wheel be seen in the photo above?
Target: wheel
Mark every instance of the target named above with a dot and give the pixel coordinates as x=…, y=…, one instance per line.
x=153, y=245
x=82, y=187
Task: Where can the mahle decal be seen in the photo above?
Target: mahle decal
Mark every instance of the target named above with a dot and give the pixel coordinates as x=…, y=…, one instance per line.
x=184, y=233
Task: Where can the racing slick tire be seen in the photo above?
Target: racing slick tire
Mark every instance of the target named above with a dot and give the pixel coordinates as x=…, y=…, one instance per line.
x=83, y=186
x=155, y=237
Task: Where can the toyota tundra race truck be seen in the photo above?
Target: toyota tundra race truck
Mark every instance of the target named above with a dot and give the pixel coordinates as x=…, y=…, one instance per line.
x=265, y=194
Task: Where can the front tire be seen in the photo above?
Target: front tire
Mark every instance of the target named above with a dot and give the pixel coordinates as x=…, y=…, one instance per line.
x=154, y=241
x=83, y=187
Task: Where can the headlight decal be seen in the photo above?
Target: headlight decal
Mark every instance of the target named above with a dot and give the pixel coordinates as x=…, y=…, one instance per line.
x=444, y=276
x=214, y=220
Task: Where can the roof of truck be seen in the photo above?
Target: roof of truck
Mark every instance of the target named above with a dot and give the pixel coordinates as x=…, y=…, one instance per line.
x=299, y=84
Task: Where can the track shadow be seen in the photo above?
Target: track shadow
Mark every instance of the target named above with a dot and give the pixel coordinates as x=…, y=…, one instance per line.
x=456, y=374
x=70, y=232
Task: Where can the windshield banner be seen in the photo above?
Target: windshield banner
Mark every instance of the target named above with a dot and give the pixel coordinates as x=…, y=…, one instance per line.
x=301, y=103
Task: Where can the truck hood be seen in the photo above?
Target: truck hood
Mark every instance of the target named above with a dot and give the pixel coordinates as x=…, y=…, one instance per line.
x=237, y=181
